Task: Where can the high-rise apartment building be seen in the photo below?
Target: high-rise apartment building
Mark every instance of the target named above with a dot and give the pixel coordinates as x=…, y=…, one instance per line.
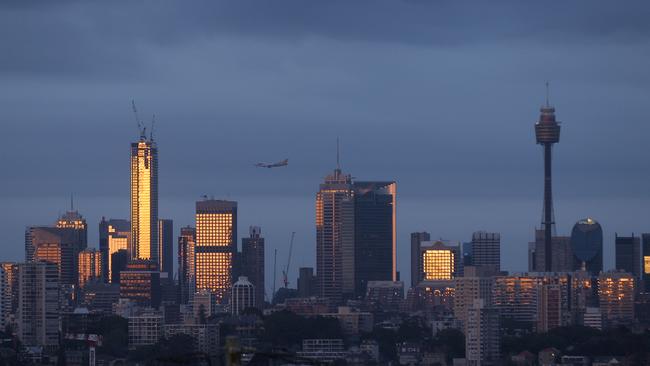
x=375, y=241
x=144, y=200
x=114, y=235
x=482, y=338
x=550, y=307
x=253, y=261
x=306, y=282
x=186, y=244
x=587, y=246
x=243, y=296
x=616, y=295
x=335, y=236
x=416, y=255
x=9, y=296
x=628, y=254
x=477, y=283
x=547, y=133
x=90, y=266
x=38, y=315
x=216, y=245
x=486, y=249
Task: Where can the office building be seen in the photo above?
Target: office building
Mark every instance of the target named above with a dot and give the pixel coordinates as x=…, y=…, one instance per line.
x=145, y=328
x=38, y=315
x=561, y=259
x=486, y=249
x=628, y=254
x=114, y=235
x=252, y=249
x=323, y=350
x=385, y=295
x=90, y=266
x=119, y=260
x=166, y=247
x=482, y=338
x=206, y=336
x=616, y=295
x=140, y=283
x=243, y=296
x=306, y=282
x=59, y=244
x=416, y=255
x=335, y=236
x=375, y=241
x=587, y=246
x=186, y=244
x=216, y=244
x=203, y=304
x=645, y=264
x=547, y=133
x=144, y=200
x=440, y=261
x=593, y=318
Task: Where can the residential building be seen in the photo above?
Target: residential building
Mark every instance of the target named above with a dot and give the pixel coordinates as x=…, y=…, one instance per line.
x=90, y=266
x=145, y=328
x=616, y=294
x=243, y=296
x=482, y=339
x=144, y=200
x=38, y=316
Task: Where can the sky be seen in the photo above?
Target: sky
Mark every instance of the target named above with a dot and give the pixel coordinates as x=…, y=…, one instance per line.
x=440, y=96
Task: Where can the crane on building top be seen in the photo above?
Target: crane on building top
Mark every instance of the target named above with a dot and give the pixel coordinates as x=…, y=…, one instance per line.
x=141, y=128
x=285, y=272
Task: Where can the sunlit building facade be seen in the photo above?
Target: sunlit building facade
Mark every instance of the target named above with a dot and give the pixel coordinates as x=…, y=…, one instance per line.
x=140, y=282
x=616, y=295
x=216, y=244
x=335, y=236
x=439, y=261
x=645, y=264
x=90, y=267
x=114, y=235
x=9, y=296
x=144, y=200
x=186, y=244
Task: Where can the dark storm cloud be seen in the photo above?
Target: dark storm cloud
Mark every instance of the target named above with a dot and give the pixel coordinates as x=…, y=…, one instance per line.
x=107, y=38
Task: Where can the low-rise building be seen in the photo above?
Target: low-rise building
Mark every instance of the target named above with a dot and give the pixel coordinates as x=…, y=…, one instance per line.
x=145, y=328
x=206, y=336
x=327, y=350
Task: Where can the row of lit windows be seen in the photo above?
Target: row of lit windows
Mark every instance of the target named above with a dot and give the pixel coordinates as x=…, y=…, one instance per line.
x=214, y=229
x=438, y=264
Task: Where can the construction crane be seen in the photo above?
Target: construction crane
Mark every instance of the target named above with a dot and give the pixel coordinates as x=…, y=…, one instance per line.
x=285, y=272
x=275, y=266
x=141, y=128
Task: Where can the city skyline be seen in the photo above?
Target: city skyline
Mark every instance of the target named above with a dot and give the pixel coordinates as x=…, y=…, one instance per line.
x=594, y=176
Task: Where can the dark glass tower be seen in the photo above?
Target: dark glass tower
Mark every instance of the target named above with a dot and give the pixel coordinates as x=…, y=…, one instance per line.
x=186, y=245
x=416, y=262
x=587, y=246
x=166, y=246
x=374, y=233
x=253, y=262
x=547, y=133
x=645, y=263
x=628, y=256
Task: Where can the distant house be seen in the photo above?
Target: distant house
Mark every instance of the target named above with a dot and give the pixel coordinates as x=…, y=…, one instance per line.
x=548, y=356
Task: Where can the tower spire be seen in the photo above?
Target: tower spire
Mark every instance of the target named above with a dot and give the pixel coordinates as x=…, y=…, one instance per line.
x=547, y=103
x=338, y=155
x=71, y=202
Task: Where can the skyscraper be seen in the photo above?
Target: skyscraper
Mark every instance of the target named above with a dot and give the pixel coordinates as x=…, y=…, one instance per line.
x=561, y=259
x=375, y=242
x=186, y=244
x=439, y=261
x=335, y=236
x=140, y=282
x=253, y=261
x=114, y=235
x=416, y=256
x=38, y=304
x=9, y=296
x=587, y=246
x=547, y=132
x=90, y=266
x=645, y=264
x=144, y=199
x=616, y=297
x=216, y=244
x=628, y=254
x=166, y=246
x=486, y=249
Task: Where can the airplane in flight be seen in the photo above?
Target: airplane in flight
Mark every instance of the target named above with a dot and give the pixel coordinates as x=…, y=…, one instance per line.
x=284, y=162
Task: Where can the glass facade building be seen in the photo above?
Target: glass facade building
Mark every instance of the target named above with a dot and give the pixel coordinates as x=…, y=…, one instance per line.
x=114, y=235
x=587, y=246
x=253, y=261
x=216, y=244
x=144, y=200
x=186, y=244
x=628, y=254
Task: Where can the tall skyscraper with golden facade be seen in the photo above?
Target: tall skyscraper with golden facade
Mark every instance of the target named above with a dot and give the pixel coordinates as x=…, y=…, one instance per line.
x=144, y=199
x=216, y=244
